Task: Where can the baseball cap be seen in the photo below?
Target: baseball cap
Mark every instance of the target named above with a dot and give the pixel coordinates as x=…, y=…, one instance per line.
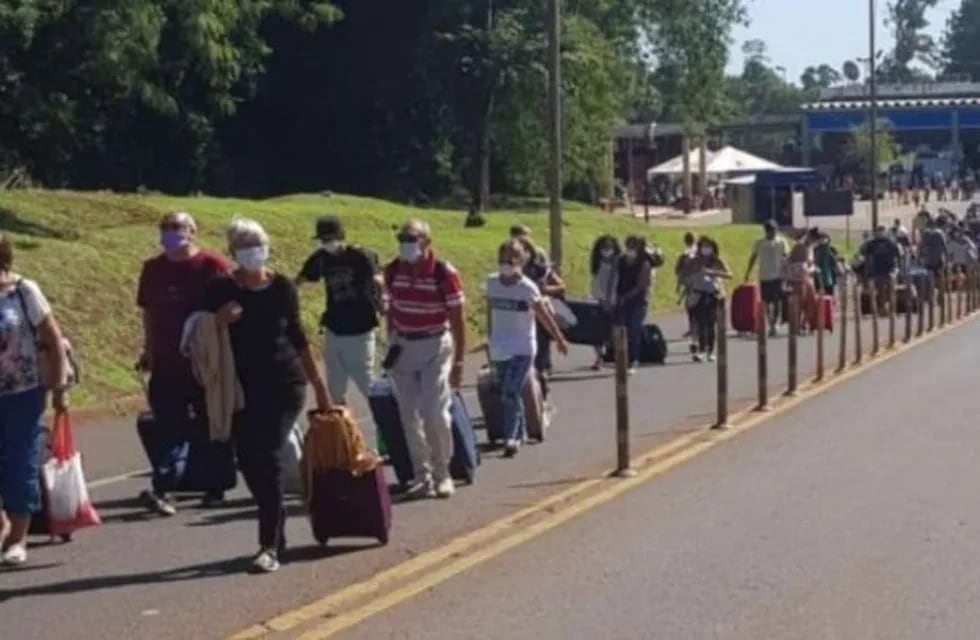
x=329, y=227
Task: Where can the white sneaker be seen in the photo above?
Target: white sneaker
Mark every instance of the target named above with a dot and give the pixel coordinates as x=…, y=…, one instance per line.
x=446, y=488
x=698, y=357
x=266, y=562
x=711, y=357
x=511, y=447
x=15, y=555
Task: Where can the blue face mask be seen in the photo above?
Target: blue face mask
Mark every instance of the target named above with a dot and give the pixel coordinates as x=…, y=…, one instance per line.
x=172, y=240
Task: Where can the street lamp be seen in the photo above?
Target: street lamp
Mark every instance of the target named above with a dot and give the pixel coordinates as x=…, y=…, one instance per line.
x=555, y=129
x=873, y=100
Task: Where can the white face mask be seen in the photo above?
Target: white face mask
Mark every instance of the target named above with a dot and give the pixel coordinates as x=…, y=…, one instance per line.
x=607, y=253
x=252, y=258
x=508, y=270
x=332, y=246
x=631, y=254
x=707, y=251
x=409, y=251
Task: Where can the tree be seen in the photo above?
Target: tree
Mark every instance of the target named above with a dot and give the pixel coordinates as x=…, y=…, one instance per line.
x=907, y=19
x=819, y=77
x=961, y=41
x=855, y=155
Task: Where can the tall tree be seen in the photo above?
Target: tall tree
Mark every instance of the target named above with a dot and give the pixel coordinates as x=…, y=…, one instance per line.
x=961, y=41
x=819, y=77
x=907, y=20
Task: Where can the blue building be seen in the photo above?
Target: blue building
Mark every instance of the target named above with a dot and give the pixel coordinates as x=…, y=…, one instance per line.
x=936, y=119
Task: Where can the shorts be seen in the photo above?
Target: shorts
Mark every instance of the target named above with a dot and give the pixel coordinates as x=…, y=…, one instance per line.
x=772, y=291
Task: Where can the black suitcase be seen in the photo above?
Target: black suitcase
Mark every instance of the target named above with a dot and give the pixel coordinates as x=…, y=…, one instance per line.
x=202, y=465
x=594, y=324
x=384, y=411
x=653, y=345
x=488, y=394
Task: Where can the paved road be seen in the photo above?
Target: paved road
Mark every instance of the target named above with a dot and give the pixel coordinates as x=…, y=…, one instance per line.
x=854, y=516
x=140, y=576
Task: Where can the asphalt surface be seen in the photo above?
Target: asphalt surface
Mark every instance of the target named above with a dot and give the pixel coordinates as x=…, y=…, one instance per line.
x=852, y=516
x=143, y=576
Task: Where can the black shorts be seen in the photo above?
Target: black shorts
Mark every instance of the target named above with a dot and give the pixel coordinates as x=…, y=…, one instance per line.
x=772, y=291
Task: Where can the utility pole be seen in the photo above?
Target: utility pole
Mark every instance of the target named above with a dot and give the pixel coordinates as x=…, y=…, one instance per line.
x=872, y=14
x=555, y=129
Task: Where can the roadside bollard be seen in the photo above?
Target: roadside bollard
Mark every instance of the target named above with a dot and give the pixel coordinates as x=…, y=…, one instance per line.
x=873, y=300
x=842, y=355
x=920, y=296
x=948, y=297
x=792, y=353
x=960, y=285
x=623, y=469
x=909, y=301
x=762, y=359
x=820, y=331
x=721, y=348
x=858, y=347
x=932, y=301
x=942, y=299
x=891, y=313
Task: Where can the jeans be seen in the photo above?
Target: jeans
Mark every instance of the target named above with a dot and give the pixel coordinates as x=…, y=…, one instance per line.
x=512, y=375
x=632, y=314
x=260, y=432
x=421, y=381
x=20, y=436
x=706, y=323
x=348, y=358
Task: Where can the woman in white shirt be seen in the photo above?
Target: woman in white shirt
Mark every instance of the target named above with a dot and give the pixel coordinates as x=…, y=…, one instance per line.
x=26, y=328
x=514, y=302
x=602, y=265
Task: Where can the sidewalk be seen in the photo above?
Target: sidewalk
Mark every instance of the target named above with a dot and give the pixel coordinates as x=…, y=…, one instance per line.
x=189, y=568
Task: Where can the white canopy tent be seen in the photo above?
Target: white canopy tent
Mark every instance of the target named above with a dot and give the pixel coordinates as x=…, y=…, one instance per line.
x=724, y=161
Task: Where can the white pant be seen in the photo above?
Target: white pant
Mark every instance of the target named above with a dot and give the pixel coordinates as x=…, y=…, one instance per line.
x=421, y=381
x=348, y=358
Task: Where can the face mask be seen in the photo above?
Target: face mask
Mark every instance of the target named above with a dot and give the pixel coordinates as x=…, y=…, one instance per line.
x=707, y=251
x=331, y=246
x=607, y=253
x=172, y=240
x=508, y=270
x=252, y=258
x=409, y=251
x=631, y=254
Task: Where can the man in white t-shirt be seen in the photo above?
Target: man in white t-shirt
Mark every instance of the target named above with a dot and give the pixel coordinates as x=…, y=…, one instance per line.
x=771, y=252
x=514, y=302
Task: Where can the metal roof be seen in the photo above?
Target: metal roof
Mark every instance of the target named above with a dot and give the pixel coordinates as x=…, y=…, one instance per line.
x=916, y=103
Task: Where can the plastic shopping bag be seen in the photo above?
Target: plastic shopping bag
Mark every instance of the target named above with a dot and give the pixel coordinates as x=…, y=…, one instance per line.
x=292, y=480
x=69, y=507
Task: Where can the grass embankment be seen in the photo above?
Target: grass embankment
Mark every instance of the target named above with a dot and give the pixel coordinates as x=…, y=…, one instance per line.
x=86, y=248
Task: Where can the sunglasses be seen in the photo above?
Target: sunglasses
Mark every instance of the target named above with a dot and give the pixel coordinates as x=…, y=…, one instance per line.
x=408, y=237
x=172, y=226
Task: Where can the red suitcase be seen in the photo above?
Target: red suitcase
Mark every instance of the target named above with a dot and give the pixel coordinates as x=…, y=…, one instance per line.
x=745, y=308
x=825, y=305
x=342, y=505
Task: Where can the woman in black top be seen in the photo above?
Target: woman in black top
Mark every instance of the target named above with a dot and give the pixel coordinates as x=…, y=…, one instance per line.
x=274, y=362
x=633, y=278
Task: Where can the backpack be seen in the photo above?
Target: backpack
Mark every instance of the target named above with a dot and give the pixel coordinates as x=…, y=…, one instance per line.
x=656, y=256
x=45, y=364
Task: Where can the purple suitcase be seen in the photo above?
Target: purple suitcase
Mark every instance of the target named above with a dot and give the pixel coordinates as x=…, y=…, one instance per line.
x=342, y=505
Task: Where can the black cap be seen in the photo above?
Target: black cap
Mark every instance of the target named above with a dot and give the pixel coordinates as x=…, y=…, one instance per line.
x=519, y=230
x=769, y=225
x=329, y=227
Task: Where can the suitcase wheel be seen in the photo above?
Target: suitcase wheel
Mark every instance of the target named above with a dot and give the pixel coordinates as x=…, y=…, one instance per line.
x=383, y=539
x=322, y=541
x=65, y=537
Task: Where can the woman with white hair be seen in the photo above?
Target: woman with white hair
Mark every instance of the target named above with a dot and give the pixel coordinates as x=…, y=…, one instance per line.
x=274, y=363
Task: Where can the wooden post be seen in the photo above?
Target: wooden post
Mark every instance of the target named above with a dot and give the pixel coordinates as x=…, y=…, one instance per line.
x=932, y=301
x=910, y=297
x=891, y=313
x=858, y=347
x=722, y=349
x=873, y=299
x=622, y=404
x=942, y=299
x=960, y=286
x=842, y=355
x=820, y=335
x=792, y=352
x=920, y=294
x=762, y=359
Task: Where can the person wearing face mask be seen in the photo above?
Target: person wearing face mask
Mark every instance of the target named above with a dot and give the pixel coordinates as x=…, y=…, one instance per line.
x=427, y=347
x=770, y=252
x=680, y=272
x=602, y=266
x=515, y=303
x=274, y=362
x=706, y=271
x=634, y=275
x=171, y=288
x=351, y=276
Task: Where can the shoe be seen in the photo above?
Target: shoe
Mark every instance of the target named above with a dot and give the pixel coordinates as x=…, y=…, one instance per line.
x=631, y=371
x=446, y=488
x=698, y=357
x=15, y=555
x=213, y=500
x=773, y=332
x=711, y=357
x=158, y=504
x=265, y=562
x=511, y=448
x=419, y=491
x=596, y=366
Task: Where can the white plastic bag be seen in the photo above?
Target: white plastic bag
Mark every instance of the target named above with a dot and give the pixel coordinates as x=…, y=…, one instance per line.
x=292, y=453
x=68, y=504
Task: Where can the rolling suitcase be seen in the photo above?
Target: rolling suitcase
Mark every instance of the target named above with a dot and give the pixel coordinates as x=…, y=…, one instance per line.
x=343, y=505
x=384, y=410
x=488, y=393
x=200, y=465
x=594, y=324
x=745, y=308
x=825, y=305
x=653, y=345
x=906, y=299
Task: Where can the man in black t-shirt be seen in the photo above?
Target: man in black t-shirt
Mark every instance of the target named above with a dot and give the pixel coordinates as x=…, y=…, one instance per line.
x=353, y=284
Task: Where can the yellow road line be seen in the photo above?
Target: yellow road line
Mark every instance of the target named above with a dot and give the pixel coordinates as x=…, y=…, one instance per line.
x=653, y=464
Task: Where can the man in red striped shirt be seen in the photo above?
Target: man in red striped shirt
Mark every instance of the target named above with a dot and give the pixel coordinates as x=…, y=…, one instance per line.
x=427, y=334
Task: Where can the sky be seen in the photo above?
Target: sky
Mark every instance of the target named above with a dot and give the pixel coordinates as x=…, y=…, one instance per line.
x=800, y=33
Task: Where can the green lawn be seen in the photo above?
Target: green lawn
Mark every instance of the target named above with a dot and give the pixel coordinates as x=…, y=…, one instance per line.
x=85, y=249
